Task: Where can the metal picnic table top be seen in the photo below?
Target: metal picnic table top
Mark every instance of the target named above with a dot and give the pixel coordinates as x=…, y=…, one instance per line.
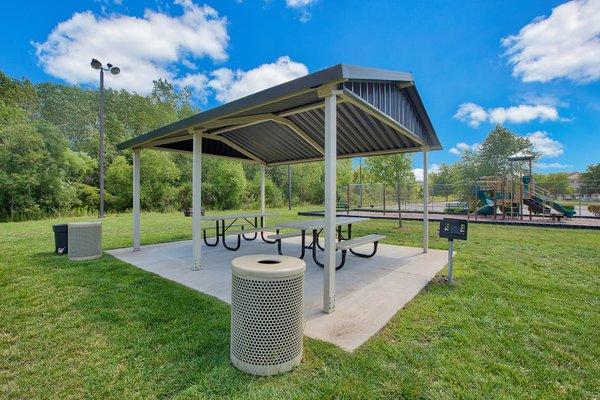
x=320, y=223
x=221, y=217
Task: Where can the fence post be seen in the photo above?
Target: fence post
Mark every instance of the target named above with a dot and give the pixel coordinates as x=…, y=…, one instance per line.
x=383, y=184
x=348, y=196
x=580, y=198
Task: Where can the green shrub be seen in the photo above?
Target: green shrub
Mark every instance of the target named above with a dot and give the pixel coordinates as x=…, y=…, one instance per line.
x=594, y=209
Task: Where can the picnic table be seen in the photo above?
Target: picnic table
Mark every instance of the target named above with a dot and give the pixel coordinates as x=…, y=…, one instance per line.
x=225, y=222
x=317, y=226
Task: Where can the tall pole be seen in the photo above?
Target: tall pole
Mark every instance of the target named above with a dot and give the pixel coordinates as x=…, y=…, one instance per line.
x=101, y=144
x=289, y=186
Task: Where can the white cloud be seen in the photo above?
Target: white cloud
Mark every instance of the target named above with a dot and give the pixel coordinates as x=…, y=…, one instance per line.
x=299, y=3
x=418, y=172
x=230, y=85
x=461, y=147
x=564, y=45
x=197, y=83
x=145, y=48
x=303, y=6
x=474, y=114
x=544, y=145
x=471, y=113
x=554, y=165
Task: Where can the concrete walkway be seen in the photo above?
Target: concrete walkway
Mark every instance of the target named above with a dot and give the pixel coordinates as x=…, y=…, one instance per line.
x=369, y=292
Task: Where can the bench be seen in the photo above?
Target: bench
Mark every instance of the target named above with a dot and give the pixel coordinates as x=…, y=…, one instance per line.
x=280, y=236
x=253, y=230
x=343, y=207
x=277, y=239
x=243, y=232
x=346, y=245
x=556, y=217
x=358, y=241
x=217, y=233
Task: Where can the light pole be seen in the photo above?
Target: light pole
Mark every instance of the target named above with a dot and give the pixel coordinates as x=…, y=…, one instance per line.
x=113, y=70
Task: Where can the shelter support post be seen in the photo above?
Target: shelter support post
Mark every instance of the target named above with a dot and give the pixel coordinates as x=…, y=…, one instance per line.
x=197, y=200
x=289, y=186
x=425, y=201
x=330, y=202
x=136, y=199
x=262, y=189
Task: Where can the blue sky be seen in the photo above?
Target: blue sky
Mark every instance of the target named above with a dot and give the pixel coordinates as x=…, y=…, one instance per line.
x=534, y=66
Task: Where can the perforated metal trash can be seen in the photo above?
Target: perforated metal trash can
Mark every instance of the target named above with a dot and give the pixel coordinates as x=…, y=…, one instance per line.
x=267, y=313
x=85, y=240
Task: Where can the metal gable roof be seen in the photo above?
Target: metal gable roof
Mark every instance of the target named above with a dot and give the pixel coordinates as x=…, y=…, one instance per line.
x=379, y=112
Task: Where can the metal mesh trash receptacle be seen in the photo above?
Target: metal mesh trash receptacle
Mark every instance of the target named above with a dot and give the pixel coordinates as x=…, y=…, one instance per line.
x=267, y=313
x=85, y=240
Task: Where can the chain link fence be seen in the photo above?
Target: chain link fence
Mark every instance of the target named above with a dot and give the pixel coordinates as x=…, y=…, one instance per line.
x=455, y=198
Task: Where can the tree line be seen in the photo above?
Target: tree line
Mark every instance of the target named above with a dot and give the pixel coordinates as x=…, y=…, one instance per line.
x=49, y=156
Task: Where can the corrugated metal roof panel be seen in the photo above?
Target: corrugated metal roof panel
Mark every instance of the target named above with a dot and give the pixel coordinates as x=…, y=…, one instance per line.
x=373, y=101
x=272, y=142
x=390, y=99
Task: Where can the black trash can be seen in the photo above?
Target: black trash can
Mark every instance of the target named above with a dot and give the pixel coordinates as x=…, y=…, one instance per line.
x=61, y=238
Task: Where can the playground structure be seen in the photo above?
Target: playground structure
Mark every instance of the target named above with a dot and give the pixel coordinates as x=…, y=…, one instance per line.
x=509, y=194
x=513, y=195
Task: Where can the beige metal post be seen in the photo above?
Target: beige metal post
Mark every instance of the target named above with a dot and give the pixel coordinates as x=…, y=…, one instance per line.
x=197, y=200
x=330, y=198
x=262, y=189
x=136, y=200
x=425, y=201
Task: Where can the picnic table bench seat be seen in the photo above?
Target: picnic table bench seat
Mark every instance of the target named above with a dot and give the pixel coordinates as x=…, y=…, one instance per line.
x=254, y=230
x=280, y=236
x=358, y=241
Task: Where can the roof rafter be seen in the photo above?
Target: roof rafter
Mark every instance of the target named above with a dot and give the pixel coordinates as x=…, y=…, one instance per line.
x=235, y=146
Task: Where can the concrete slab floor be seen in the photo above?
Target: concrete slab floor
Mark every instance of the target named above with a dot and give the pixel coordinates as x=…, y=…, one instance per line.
x=369, y=292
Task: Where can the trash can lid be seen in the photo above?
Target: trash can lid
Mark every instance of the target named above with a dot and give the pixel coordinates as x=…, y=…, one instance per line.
x=84, y=224
x=267, y=266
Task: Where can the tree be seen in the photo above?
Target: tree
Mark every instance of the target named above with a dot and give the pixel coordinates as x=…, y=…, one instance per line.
x=227, y=182
x=159, y=177
x=119, y=178
x=444, y=180
x=590, y=179
x=556, y=183
x=308, y=179
x=393, y=170
x=489, y=159
x=32, y=173
x=273, y=194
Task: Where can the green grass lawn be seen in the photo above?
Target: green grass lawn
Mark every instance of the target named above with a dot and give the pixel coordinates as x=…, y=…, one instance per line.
x=521, y=321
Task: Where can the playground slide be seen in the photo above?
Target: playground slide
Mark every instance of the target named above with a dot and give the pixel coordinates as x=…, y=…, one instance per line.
x=541, y=199
x=488, y=208
x=555, y=205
